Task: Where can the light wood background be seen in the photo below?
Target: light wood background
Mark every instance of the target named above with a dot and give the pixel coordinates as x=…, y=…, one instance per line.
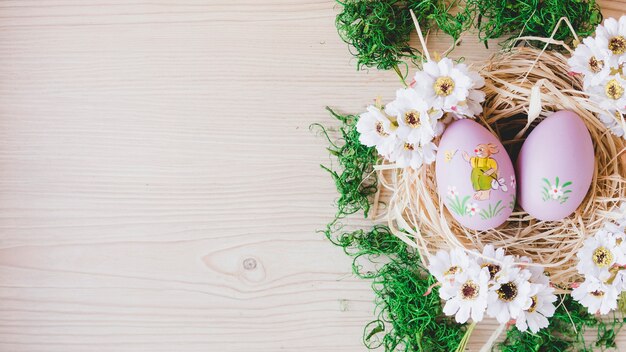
x=159, y=185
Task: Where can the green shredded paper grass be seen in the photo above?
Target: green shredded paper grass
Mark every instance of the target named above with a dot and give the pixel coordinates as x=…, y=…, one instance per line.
x=379, y=31
x=405, y=318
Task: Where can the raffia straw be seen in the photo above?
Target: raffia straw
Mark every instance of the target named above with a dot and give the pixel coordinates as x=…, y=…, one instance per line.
x=417, y=215
x=420, y=35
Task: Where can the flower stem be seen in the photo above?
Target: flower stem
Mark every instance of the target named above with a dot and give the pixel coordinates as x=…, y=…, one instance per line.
x=466, y=337
x=397, y=69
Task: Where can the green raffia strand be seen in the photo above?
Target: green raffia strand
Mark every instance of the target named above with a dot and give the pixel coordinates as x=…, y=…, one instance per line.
x=379, y=31
x=499, y=18
x=560, y=335
x=356, y=181
x=406, y=319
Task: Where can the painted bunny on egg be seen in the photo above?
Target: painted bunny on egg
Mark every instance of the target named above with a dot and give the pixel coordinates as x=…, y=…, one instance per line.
x=485, y=171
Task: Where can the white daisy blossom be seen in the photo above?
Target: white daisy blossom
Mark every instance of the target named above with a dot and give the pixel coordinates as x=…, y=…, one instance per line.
x=492, y=283
x=444, y=265
x=466, y=296
x=417, y=124
x=495, y=260
x=601, y=61
x=510, y=296
x=597, y=255
x=592, y=61
x=613, y=119
x=610, y=93
x=612, y=35
x=473, y=104
x=541, y=308
x=376, y=130
x=596, y=295
x=443, y=84
x=407, y=154
x=537, y=273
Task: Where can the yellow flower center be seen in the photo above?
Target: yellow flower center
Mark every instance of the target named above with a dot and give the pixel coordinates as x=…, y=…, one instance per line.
x=444, y=86
x=619, y=70
x=507, y=292
x=469, y=290
x=595, y=65
x=614, y=89
x=409, y=146
x=602, y=257
x=380, y=129
x=412, y=119
x=597, y=294
x=533, y=305
x=617, y=45
x=453, y=270
x=493, y=269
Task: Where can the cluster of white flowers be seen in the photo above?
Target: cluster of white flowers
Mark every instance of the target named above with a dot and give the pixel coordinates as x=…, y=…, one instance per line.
x=403, y=131
x=601, y=60
x=601, y=261
x=494, y=284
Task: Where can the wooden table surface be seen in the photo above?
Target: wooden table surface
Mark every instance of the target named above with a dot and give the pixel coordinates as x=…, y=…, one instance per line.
x=160, y=187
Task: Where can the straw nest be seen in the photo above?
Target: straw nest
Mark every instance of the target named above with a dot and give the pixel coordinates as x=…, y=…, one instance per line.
x=417, y=214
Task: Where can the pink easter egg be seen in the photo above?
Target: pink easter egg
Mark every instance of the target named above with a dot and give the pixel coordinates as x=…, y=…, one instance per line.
x=555, y=167
x=475, y=176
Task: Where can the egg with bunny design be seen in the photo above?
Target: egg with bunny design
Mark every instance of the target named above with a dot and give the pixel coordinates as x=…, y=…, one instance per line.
x=475, y=176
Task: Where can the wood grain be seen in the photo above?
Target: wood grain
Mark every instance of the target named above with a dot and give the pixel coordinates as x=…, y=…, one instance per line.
x=160, y=185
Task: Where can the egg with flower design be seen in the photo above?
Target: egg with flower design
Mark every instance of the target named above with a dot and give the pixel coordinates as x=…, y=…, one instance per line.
x=555, y=167
x=475, y=176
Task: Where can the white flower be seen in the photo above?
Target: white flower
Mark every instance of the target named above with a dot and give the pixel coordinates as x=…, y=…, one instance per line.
x=466, y=296
x=610, y=93
x=452, y=191
x=619, y=282
x=592, y=61
x=510, y=296
x=445, y=264
x=513, y=182
x=376, y=131
x=416, y=123
x=443, y=83
x=556, y=192
x=472, y=106
x=614, y=121
x=407, y=154
x=471, y=209
x=541, y=308
x=597, y=296
x=537, y=273
x=612, y=35
x=495, y=260
x=597, y=255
